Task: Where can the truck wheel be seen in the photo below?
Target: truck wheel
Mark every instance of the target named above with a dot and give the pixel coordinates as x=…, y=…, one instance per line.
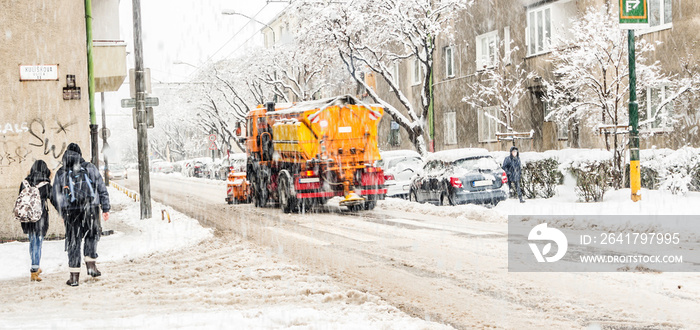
x=286, y=194
x=369, y=205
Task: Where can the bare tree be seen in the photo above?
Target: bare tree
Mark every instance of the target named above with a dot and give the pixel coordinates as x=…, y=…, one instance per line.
x=374, y=35
x=591, y=80
x=503, y=84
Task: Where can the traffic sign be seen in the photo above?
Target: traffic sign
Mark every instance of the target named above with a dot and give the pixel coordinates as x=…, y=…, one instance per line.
x=212, y=137
x=105, y=133
x=148, y=120
x=212, y=145
x=146, y=81
x=148, y=102
x=634, y=14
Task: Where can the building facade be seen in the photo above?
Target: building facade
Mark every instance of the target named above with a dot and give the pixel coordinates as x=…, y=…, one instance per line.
x=44, y=102
x=534, y=27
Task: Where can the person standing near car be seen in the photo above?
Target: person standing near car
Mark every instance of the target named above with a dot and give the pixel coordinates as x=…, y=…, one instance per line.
x=40, y=178
x=80, y=192
x=513, y=170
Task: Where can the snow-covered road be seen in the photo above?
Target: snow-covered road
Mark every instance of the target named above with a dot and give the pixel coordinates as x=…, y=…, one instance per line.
x=447, y=269
x=161, y=275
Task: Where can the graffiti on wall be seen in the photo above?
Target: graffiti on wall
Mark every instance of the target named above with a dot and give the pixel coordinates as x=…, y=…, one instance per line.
x=42, y=139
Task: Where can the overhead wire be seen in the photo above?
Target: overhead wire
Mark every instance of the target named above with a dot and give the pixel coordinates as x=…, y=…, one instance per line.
x=198, y=68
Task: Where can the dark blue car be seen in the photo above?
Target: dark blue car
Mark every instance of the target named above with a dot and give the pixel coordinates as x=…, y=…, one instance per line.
x=460, y=176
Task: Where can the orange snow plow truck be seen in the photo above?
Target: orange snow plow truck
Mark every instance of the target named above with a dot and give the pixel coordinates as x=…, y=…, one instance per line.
x=306, y=153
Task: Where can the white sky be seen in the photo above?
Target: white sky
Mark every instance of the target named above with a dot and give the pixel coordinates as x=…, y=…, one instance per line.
x=181, y=31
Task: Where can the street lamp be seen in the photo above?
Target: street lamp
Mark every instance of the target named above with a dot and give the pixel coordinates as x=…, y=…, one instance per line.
x=232, y=12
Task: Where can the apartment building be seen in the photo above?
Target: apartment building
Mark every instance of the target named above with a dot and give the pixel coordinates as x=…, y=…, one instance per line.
x=535, y=27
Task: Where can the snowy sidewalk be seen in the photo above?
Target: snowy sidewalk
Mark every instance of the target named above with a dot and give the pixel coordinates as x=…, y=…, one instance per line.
x=179, y=275
x=132, y=238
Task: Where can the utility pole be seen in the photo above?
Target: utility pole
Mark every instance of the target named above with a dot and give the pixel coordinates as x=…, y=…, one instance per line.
x=634, y=14
x=142, y=129
x=635, y=179
x=104, y=139
x=91, y=84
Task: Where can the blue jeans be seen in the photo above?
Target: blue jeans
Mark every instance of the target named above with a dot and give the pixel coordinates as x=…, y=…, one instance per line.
x=35, y=240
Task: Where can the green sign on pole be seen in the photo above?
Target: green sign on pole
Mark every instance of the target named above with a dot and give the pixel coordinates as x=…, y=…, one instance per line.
x=634, y=14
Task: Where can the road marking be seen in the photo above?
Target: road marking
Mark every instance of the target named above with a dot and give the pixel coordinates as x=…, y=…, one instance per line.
x=311, y=240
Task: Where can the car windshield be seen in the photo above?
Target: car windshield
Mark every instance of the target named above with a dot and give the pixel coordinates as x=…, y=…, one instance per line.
x=478, y=163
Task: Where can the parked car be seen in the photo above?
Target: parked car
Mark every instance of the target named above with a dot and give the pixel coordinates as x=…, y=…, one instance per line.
x=458, y=177
x=117, y=172
x=399, y=167
x=162, y=167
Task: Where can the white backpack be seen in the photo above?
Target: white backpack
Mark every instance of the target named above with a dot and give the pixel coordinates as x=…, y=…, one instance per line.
x=28, y=205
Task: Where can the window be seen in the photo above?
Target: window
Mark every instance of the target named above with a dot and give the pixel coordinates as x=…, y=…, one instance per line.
x=649, y=102
x=395, y=74
x=488, y=124
x=486, y=50
x=539, y=30
x=660, y=15
x=450, y=128
x=449, y=62
x=417, y=71
x=506, y=44
x=394, y=134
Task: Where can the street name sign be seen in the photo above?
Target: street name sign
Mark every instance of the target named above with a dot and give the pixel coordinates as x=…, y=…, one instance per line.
x=38, y=72
x=148, y=102
x=634, y=14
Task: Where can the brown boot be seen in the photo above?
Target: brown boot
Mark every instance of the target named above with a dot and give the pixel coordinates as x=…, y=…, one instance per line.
x=92, y=269
x=35, y=276
x=73, y=281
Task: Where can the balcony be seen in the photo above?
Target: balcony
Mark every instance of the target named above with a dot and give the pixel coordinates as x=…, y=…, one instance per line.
x=109, y=61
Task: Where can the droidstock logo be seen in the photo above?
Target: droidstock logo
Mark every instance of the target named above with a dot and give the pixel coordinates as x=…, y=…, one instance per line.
x=542, y=233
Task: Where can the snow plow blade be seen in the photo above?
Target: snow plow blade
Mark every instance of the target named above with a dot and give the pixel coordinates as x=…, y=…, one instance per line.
x=352, y=199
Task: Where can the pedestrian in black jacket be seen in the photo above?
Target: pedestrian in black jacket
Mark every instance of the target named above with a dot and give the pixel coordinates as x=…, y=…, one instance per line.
x=39, y=176
x=81, y=214
x=513, y=170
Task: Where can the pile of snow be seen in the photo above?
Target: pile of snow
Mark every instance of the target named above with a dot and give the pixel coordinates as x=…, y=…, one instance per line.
x=132, y=238
x=467, y=211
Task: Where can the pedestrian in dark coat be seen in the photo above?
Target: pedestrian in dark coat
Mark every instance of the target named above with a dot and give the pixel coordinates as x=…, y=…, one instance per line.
x=82, y=220
x=513, y=170
x=39, y=176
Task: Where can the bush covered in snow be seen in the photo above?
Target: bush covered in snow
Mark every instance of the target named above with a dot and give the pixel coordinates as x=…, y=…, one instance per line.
x=592, y=171
x=540, y=177
x=677, y=171
x=648, y=175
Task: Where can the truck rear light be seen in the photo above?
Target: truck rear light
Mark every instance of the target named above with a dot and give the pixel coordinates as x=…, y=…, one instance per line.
x=504, y=178
x=388, y=177
x=456, y=182
x=309, y=173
